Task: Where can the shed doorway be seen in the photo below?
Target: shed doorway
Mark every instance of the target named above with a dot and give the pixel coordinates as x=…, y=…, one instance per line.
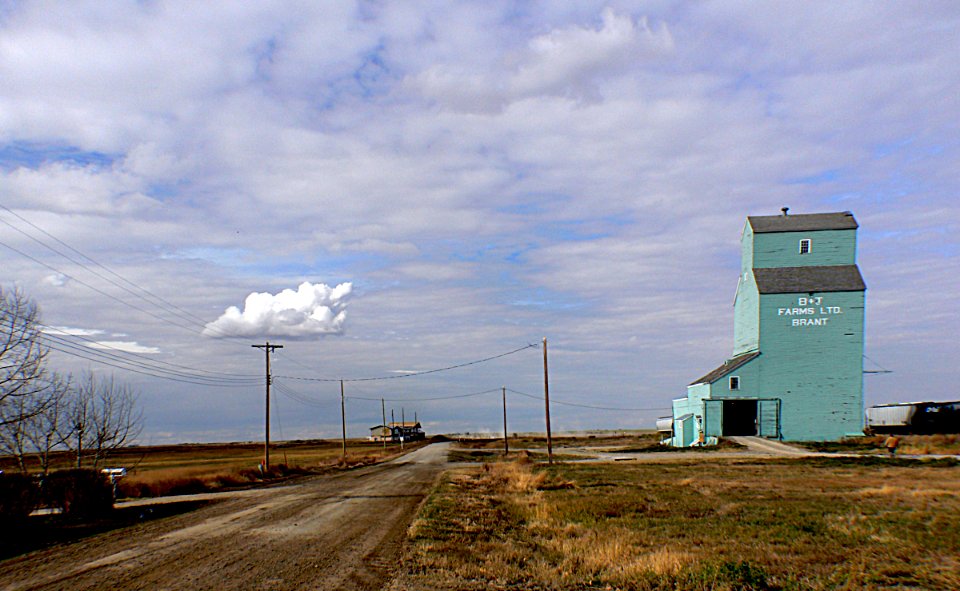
x=739, y=417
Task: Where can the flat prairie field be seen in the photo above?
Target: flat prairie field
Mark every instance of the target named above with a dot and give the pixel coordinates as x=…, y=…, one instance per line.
x=702, y=523
x=198, y=467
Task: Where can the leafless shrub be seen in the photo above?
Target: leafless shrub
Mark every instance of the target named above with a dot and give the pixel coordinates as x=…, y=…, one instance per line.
x=101, y=416
x=22, y=355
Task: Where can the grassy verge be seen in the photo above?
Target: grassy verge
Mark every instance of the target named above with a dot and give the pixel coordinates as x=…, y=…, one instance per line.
x=723, y=524
x=180, y=472
x=909, y=444
x=490, y=449
x=560, y=442
x=457, y=454
x=192, y=468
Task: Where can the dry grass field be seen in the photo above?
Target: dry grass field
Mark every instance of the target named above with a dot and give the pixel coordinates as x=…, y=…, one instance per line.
x=947, y=444
x=692, y=523
x=189, y=469
x=632, y=443
x=192, y=468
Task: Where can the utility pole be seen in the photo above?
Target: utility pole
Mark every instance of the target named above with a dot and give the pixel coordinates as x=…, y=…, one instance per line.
x=546, y=399
x=267, y=349
x=383, y=412
x=79, y=443
x=506, y=446
x=393, y=424
x=343, y=422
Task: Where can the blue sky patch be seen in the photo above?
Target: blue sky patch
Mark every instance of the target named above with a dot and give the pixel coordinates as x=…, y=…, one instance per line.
x=574, y=230
x=33, y=155
x=827, y=176
x=890, y=148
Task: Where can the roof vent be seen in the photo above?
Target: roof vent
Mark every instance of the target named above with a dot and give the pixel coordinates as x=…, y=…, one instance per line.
x=784, y=210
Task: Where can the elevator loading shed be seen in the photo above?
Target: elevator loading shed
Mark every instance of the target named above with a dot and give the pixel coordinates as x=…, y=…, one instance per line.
x=797, y=367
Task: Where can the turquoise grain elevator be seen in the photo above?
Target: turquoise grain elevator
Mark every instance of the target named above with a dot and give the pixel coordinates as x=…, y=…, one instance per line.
x=796, y=372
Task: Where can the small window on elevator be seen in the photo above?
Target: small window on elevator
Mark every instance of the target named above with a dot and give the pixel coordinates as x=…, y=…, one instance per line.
x=734, y=382
x=805, y=246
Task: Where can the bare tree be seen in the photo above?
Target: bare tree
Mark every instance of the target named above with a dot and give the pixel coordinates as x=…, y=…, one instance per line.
x=44, y=428
x=40, y=412
x=22, y=355
x=102, y=415
x=30, y=423
x=13, y=430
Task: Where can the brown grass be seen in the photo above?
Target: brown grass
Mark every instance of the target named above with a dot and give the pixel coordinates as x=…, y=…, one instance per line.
x=940, y=444
x=692, y=525
x=192, y=468
x=162, y=475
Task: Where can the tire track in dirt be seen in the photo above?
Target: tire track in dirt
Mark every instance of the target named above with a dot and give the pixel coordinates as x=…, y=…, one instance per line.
x=329, y=532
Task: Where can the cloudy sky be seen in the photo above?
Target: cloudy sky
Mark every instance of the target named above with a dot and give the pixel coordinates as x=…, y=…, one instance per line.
x=387, y=188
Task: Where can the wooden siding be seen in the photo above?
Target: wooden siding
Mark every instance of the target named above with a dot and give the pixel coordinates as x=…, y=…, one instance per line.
x=749, y=375
x=746, y=304
x=813, y=362
x=746, y=316
x=808, y=378
x=828, y=247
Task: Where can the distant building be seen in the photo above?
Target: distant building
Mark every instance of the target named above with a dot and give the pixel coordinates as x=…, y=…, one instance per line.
x=797, y=367
x=381, y=433
x=409, y=431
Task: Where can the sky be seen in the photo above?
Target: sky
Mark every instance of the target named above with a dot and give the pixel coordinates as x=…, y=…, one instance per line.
x=392, y=188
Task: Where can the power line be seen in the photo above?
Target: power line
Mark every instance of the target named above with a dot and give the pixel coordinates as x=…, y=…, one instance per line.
x=881, y=370
x=451, y=397
x=299, y=396
x=555, y=401
x=60, y=335
x=195, y=380
x=415, y=373
x=86, y=354
x=96, y=289
x=167, y=306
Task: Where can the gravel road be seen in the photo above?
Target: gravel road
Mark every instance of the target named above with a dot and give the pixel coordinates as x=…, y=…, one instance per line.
x=342, y=531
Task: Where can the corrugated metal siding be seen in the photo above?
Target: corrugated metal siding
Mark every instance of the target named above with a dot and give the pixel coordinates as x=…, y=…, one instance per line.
x=665, y=424
x=891, y=416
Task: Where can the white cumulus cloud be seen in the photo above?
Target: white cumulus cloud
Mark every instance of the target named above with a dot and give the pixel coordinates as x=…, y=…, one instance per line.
x=311, y=310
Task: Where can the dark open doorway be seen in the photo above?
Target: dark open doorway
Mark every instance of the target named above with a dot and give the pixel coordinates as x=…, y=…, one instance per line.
x=739, y=417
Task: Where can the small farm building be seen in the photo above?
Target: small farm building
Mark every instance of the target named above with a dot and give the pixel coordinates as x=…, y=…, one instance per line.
x=409, y=431
x=796, y=372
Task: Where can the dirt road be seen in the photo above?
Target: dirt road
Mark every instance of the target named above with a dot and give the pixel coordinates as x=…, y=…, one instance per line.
x=329, y=532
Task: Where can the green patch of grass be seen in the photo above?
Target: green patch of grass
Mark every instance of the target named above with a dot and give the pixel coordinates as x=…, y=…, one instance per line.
x=789, y=524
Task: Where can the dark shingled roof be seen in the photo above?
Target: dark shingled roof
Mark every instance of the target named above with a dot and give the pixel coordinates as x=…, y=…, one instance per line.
x=728, y=366
x=764, y=224
x=809, y=279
